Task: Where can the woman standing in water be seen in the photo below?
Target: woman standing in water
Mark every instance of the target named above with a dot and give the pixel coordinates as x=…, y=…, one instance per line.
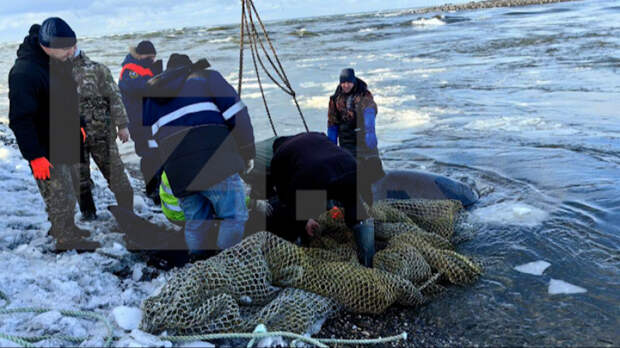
x=351, y=122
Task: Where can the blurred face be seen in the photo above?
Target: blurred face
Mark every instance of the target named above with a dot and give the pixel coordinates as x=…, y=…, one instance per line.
x=346, y=86
x=61, y=54
x=150, y=57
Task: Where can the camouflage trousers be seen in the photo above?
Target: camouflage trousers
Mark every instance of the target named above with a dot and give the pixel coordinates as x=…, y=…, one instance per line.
x=59, y=198
x=105, y=154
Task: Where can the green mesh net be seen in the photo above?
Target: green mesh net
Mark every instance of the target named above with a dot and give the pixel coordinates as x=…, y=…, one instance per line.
x=266, y=279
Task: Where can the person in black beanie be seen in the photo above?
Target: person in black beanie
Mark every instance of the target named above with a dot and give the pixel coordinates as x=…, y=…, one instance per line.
x=351, y=123
x=137, y=68
x=43, y=115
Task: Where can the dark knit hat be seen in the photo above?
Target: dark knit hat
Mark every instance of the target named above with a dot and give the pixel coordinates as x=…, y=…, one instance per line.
x=347, y=75
x=145, y=47
x=178, y=60
x=56, y=33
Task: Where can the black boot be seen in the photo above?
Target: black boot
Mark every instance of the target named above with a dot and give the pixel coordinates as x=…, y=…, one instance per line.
x=364, y=234
x=78, y=244
x=124, y=200
x=55, y=232
x=87, y=206
x=72, y=239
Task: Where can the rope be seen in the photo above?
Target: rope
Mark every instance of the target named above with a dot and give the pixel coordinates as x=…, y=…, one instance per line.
x=25, y=340
x=309, y=340
x=242, y=29
x=402, y=336
x=318, y=342
x=247, y=22
x=254, y=50
x=430, y=281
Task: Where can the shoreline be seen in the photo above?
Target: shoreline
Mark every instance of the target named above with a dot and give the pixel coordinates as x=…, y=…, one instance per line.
x=486, y=4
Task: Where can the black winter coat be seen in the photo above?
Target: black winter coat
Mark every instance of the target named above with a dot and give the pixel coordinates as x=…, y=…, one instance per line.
x=308, y=161
x=43, y=110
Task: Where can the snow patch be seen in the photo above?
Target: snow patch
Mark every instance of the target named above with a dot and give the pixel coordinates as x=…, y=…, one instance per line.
x=128, y=318
x=535, y=268
x=557, y=287
x=138, y=338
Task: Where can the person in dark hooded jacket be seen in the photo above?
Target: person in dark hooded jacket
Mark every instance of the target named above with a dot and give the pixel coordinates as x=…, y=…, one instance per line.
x=137, y=68
x=351, y=122
x=205, y=139
x=43, y=115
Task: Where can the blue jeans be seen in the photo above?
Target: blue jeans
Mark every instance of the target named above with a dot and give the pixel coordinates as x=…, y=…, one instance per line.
x=223, y=202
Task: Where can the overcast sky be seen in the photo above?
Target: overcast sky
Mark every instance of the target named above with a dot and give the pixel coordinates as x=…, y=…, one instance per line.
x=99, y=17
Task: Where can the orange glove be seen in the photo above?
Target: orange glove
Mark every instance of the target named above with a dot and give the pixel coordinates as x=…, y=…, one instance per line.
x=336, y=213
x=83, y=134
x=41, y=168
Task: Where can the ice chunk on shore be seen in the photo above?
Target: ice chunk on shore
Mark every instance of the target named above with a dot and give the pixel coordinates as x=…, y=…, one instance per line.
x=557, y=286
x=128, y=318
x=198, y=344
x=535, y=268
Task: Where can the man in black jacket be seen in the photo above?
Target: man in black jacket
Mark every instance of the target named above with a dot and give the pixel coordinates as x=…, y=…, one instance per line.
x=307, y=170
x=43, y=115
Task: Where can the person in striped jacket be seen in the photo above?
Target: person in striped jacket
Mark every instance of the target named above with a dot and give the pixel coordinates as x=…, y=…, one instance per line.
x=205, y=139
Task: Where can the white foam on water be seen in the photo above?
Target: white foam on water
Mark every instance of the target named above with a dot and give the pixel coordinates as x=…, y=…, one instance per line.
x=510, y=213
x=513, y=124
x=328, y=87
x=535, y=268
x=227, y=39
x=427, y=71
x=405, y=59
x=393, y=100
x=316, y=102
x=427, y=22
x=390, y=119
x=557, y=287
x=367, y=30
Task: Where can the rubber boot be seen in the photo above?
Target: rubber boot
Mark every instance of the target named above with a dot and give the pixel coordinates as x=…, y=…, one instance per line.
x=87, y=206
x=364, y=234
x=55, y=232
x=124, y=200
x=71, y=240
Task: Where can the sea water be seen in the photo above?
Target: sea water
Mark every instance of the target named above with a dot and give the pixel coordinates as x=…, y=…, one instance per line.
x=521, y=103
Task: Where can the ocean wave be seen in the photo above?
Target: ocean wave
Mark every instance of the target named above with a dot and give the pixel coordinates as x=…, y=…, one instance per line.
x=226, y=39
x=366, y=30
x=428, y=22
x=303, y=32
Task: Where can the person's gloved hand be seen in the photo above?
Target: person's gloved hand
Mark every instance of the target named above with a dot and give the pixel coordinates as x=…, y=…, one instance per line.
x=332, y=133
x=263, y=206
x=157, y=67
x=83, y=134
x=369, y=123
x=312, y=227
x=123, y=135
x=41, y=168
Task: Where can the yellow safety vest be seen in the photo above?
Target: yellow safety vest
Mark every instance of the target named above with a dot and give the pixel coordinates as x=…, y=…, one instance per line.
x=169, y=203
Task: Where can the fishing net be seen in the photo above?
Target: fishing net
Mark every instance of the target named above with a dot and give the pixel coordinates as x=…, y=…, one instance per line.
x=266, y=279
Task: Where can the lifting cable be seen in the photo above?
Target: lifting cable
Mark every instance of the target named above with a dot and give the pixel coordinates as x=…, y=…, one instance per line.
x=253, y=37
